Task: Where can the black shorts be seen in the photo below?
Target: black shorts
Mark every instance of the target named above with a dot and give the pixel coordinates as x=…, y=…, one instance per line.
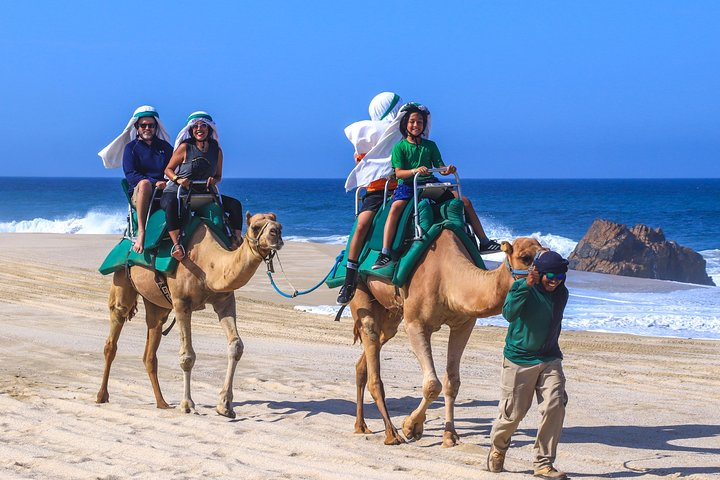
x=372, y=202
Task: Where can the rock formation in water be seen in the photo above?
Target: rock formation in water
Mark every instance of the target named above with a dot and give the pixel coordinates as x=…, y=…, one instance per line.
x=640, y=251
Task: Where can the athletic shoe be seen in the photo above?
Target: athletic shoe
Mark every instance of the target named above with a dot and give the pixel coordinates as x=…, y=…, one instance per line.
x=491, y=246
x=382, y=261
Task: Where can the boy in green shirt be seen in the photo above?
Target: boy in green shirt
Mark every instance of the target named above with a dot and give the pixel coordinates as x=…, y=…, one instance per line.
x=417, y=155
x=534, y=308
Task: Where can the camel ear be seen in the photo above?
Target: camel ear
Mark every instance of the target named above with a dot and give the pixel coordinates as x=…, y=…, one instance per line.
x=271, y=216
x=248, y=216
x=506, y=247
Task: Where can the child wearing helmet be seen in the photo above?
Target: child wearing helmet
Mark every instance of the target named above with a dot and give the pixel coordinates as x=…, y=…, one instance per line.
x=415, y=154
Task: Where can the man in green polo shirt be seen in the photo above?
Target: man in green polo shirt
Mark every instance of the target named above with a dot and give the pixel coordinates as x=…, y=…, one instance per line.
x=532, y=365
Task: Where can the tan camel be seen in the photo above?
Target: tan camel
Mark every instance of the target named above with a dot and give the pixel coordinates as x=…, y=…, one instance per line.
x=209, y=274
x=445, y=289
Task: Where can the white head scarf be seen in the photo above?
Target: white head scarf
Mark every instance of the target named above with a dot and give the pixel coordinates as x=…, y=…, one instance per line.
x=194, y=118
x=113, y=153
x=376, y=163
x=384, y=106
x=364, y=135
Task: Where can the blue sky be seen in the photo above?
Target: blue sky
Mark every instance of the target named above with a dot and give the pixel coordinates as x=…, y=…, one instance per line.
x=573, y=89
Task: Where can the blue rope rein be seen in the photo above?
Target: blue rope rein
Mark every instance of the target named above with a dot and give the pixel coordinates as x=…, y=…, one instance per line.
x=295, y=293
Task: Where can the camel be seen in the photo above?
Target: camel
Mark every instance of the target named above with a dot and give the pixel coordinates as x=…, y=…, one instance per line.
x=445, y=289
x=209, y=274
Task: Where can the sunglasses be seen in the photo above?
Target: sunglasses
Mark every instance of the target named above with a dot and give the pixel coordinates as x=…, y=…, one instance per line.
x=147, y=125
x=199, y=126
x=555, y=276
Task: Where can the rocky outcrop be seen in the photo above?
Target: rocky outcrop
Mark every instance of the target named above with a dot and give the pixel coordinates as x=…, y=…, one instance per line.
x=641, y=251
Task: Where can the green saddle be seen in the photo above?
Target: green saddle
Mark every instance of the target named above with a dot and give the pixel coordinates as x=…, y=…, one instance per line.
x=433, y=219
x=156, y=254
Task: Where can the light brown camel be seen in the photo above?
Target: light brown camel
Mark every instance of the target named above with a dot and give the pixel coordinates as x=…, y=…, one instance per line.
x=209, y=274
x=445, y=289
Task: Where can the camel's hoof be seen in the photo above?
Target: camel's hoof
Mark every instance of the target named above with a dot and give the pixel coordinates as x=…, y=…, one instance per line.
x=187, y=406
x=225, y=411
x=163, y=405
x=102, y=397
x=393, y=438
x=362, y=428
x=413, y=430
x=450, y=439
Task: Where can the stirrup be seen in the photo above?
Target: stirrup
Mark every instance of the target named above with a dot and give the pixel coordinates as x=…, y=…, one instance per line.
x=177, y=247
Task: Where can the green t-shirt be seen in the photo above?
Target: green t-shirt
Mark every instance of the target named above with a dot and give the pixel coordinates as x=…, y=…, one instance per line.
x=529, y=313
x=406, y=156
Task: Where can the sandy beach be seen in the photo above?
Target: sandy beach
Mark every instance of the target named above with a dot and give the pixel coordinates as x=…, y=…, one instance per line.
x=640, y=407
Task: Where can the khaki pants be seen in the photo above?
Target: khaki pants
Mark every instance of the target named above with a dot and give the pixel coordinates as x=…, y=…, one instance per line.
x=519, y=382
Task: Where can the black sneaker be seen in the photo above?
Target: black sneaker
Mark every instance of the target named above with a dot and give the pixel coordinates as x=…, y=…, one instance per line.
x=491, y=246
x=382, y=261
x=347, y=291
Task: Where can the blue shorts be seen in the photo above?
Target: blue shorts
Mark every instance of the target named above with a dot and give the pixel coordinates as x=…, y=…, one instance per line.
x=404, y=191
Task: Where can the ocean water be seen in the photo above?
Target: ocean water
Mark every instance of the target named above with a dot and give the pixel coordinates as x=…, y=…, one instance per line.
x=557, y=212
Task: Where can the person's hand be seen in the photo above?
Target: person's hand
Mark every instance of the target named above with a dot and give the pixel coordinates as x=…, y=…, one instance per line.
x=533, y=276
x=421, y=170
x=211, y=181
x=449, y=169
x=161, y=185
x=184, y=182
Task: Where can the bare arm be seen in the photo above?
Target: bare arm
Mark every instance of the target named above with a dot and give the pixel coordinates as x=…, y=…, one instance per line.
x=176, y=159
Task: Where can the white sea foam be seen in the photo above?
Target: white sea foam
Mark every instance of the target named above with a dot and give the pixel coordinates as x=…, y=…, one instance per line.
x=693, y=313
x=712, y=264
x=330, y=310
x=330, y=239
x=94, y=222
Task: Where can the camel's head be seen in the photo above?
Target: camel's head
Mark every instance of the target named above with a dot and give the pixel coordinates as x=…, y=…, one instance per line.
x=264, y=232
x=521, y=253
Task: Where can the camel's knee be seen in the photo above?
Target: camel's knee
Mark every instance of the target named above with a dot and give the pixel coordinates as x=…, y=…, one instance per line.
x=187, y=361
x=110, y=349
x=376, y=389
x=432, y=388
x=452, y=386
x=236, y=349
x=361, y=371
x=150, y=361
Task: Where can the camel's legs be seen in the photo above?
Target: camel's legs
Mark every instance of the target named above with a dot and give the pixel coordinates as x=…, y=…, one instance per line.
x=420, y=342
x=370, y=315
x=360, y=382
x=183, y=314
x=122, y=303
x=388, y=330
x=155, y=318
x=225, y=308
x=459, y=337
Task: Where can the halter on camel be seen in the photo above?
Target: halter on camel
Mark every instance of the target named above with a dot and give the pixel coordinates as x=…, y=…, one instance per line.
x=516, y=273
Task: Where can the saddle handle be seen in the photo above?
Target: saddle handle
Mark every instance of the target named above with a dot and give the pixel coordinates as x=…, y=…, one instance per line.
x=416, y=215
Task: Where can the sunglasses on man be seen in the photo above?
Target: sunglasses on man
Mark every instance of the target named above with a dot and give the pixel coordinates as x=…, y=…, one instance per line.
x=148, y=126
x=555, y=276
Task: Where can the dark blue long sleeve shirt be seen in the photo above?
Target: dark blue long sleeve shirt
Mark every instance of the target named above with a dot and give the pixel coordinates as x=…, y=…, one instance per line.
x=143, y=161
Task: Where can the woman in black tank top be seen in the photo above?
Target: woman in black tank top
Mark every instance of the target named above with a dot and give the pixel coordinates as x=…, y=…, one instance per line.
x=197, y=158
